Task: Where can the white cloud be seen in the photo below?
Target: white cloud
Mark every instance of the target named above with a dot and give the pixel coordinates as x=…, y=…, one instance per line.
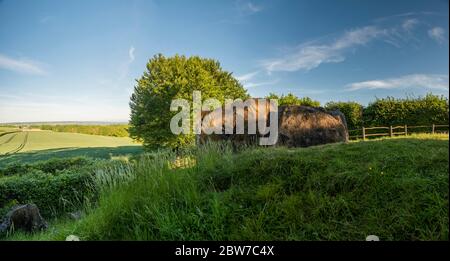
x=21, y=65
x=409, y=24
x=131, y=54
x=429, y=81
x=247, y=7
x=246, y=77
x=125, y=66
x=437, y=34
x=247, y=80
x=257, y=84
x=311, y=55
x=253, y=8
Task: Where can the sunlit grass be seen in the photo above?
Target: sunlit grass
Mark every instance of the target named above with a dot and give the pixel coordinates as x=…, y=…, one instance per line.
x=395, y=188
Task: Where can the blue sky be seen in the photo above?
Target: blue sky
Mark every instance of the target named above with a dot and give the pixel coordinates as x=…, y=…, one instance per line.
x=77, y=60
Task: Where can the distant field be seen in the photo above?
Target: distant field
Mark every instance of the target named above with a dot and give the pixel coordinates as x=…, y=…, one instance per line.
x=7, y=129
x=37, y=145
x=114, y=130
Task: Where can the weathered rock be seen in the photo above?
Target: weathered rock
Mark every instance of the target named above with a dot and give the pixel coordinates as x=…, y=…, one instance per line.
x=298, y=126
x=302, y=126
x=23, y=217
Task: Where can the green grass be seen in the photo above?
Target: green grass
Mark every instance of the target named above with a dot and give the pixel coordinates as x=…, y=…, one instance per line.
x=395, y=188
x=40, y=145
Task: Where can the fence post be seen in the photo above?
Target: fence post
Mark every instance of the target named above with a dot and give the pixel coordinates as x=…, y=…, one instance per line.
x=390, y=131
x=406, y=130
x=432, y=129
x=364, y=133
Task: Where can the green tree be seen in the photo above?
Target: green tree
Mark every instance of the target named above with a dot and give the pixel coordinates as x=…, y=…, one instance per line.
x=353, y=112
x=431, y=109
x=168, y=78
x=291, y=99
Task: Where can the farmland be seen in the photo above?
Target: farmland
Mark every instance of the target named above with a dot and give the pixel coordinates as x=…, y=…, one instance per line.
x=26, y=146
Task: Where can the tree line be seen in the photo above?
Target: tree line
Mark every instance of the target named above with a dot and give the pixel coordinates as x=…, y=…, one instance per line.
x=117, y=130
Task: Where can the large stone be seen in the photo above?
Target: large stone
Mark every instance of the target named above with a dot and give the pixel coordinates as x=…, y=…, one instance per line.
x=23, y=217
x=298, y=126
x=302, y=126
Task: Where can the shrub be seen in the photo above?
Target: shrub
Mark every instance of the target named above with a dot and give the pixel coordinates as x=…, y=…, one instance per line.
x=353, y=112
x=431, y=109
x=53, y=194
x=54, y=185
x=48, y=166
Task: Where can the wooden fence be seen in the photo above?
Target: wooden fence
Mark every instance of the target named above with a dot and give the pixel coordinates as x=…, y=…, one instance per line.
x=391, y=131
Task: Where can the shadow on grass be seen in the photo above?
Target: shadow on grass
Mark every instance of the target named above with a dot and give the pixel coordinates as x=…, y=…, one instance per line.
x=93, y=152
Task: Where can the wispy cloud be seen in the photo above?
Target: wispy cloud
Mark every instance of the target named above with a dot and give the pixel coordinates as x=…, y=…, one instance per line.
x=257, y=84
x=246, y=77
x=21, y=65
x=125, y=67
x=429, y=81
x=247, y=7
x=248, y=80
x=437, y=34
x=311, y=55
x=410, y=24
x=131, y=54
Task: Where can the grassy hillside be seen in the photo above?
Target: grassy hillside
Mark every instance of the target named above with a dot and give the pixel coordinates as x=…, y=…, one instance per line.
x=394, y=188
x=40, y=145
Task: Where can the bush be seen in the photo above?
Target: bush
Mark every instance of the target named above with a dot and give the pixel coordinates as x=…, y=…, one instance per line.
x=353, y=112
x=431, y=109
x=53, y=194
x=48, y=166
x=55, y=185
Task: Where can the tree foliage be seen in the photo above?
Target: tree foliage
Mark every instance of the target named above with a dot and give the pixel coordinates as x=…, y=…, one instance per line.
x=291, y=99
x=115, y=130
x=353, y=112
x=427, y=110
x=168, y=78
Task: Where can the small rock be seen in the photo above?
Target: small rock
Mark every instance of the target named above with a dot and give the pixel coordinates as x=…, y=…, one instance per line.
x=72, y=238
x=24, y=217
x=372, y=238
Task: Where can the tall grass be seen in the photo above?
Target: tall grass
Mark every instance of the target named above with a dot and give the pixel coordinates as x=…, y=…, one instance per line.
x=394, y=188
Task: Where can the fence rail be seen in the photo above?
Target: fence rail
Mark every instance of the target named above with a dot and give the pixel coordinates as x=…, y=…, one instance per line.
x=391, y=130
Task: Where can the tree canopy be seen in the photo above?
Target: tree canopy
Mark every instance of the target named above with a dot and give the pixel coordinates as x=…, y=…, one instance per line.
x=291, y=99
x=168, y=78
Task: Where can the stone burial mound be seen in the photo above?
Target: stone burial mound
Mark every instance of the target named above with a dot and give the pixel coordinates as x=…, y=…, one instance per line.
x=302, y=126
x=298, y=126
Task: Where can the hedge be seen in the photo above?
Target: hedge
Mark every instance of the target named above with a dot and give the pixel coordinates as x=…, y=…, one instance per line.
x=53, y=194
